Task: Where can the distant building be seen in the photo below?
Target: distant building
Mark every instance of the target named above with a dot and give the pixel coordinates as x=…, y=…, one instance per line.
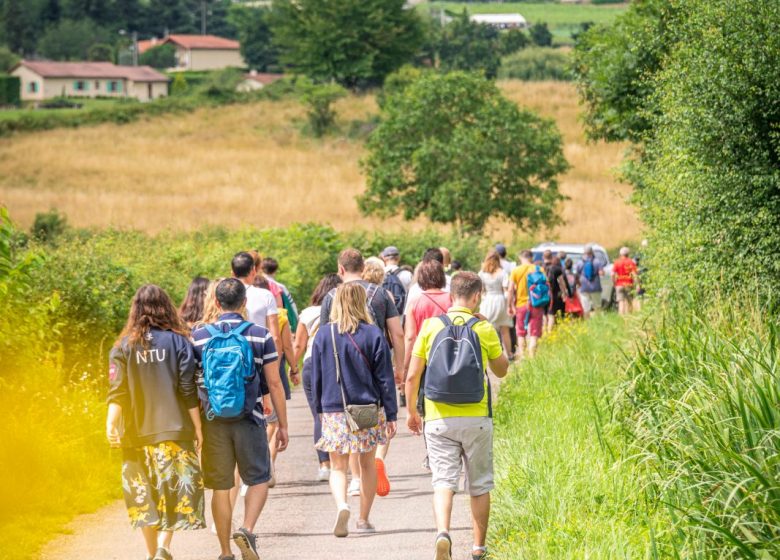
x=44, y=80
x=501, y=21
x=257, y=80
x=199, y=52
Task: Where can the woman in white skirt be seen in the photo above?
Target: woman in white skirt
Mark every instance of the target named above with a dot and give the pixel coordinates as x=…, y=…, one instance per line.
x=493, y=306
x=351, y=365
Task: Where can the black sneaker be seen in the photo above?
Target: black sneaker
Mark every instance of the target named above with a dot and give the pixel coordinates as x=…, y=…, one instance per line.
x=402, y=400
x=246, y=543
x=162, y=554
x=443, y=547
x=479, y=554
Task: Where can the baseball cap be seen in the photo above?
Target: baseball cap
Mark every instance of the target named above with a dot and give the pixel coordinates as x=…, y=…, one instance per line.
x=390, y=251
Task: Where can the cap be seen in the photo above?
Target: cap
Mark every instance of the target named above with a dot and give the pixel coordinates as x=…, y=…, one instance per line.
x=390, y=252
x=501, y=249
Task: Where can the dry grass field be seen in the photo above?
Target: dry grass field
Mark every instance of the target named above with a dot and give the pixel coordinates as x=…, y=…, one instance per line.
x=248, y=165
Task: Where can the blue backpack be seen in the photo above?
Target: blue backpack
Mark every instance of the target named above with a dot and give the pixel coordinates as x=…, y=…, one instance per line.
x=589, y=270
x=455, y=372
x=538, y=290
x=228, y=365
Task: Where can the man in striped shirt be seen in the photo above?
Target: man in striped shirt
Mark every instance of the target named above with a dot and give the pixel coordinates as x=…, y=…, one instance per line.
x=241, y=442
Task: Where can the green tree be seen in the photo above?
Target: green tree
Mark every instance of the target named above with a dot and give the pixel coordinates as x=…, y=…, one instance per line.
x=161, y=56
x=319, y=99
x=512, y=41
x=172, y=16
x=354, y=42
x=51, y=12
x=71, y=40
x=467, y=45
x=254, y=34
x=613, y=63
x=450, y=147
x=15, y=25
x=7, y=59
x=179, y=86
x=541, y=35
x=101, y=52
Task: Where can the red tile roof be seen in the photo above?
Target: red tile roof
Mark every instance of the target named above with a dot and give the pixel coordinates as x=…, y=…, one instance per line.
x=147, y=44
x=208, y=42
x=105, y=70
x=264, y=79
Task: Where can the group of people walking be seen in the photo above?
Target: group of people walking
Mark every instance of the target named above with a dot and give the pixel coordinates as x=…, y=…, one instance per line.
x=197, y=395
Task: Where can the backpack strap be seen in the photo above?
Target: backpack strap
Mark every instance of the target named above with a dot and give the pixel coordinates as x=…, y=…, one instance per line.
x=472, y=322
x=338, y=366
x=242, y=327
x=446, y=320
x=212, y=330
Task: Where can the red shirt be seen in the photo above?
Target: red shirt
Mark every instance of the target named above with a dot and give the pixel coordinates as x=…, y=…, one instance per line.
x=429, y=304
x=624, y=270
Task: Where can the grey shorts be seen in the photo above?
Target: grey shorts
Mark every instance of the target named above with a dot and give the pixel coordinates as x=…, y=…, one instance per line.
x=624, y=293
x=242, y=443
x=462, y=443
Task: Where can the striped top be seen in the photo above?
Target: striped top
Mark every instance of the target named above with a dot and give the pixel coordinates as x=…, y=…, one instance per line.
x=263, y=349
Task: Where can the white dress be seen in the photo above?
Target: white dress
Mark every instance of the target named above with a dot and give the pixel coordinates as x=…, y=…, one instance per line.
x=493, y=305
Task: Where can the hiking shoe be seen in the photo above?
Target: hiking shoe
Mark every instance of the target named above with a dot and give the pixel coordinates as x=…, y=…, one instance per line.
x=323, y=475
x=354, y=487
x=443, y=547
x=247, y=544
x=364, y=527
x=229, y=557
x=479, y=554
x=382, y=482
x=341, y=527
x=163, y=554
x=402, y=400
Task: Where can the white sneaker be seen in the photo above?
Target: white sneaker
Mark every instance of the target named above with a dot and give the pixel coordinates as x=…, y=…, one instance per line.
x=323, y=475
x=341, y=527
x=354, y=487
x=243, y=490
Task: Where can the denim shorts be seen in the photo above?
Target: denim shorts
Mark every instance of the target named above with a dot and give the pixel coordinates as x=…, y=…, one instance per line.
x=227, y=444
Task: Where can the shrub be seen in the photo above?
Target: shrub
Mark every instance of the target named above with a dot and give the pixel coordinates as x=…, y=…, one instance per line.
x=161, y=57
x=48, y=226
x=541, y=36
x=319, y=99
x=7, y=59
x=536, y=64
x=179, y=86
x=10, y=91
x=101, y=52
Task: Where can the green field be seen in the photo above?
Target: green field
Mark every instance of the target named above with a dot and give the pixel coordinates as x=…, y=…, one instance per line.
x=563, y=19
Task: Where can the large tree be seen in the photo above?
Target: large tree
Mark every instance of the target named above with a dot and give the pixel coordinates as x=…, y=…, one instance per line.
x=71, y=39
x=354, y=42
x=254, y=34
x=450, y=147
x=467, y=45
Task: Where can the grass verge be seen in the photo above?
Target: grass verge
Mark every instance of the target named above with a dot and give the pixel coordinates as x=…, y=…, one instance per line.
x=560, y=493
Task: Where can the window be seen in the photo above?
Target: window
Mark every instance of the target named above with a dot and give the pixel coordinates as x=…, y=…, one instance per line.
x=32, y=87
x=114, y=86
x=80, y=85
x=97, y=85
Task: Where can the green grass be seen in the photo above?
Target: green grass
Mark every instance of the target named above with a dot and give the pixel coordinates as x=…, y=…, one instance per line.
x=559, y=493
x=87, y=105
x=563, y=19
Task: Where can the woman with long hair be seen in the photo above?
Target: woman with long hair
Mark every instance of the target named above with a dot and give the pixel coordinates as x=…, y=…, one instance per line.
x=153, y=415
x=432, y=301
x=308, y=325
x=351, y=366
x=493, y=306
x=191, y=310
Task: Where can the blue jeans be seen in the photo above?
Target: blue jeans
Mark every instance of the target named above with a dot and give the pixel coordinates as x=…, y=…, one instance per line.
x=321, y=455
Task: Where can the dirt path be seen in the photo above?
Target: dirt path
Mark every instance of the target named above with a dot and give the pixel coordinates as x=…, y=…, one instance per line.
x=298, y=518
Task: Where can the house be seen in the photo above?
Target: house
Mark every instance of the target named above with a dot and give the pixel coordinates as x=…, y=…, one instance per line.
x=501, y=21
x=199, y=52
x=43, y=80
x=257, y=80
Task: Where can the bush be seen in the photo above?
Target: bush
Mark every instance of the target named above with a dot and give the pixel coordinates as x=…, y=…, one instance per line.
x=160, y=57
x=48, y=226
x=101, y=52
x=10, y=91
x=700, y=406
x=541, y=36
x=7, y=59
x=319, y=99
x=179, y=86
x=536, y=64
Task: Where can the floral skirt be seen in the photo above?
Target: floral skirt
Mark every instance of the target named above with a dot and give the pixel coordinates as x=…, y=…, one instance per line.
x=338, y=438
x=163, y=486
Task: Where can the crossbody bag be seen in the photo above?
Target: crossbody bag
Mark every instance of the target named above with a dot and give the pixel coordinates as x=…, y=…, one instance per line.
x=359, y=416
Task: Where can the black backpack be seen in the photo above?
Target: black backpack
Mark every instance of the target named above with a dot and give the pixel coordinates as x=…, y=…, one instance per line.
x=455, y=372
x=394, y=285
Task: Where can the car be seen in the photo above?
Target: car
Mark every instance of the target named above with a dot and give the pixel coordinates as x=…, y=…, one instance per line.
x=575, y=252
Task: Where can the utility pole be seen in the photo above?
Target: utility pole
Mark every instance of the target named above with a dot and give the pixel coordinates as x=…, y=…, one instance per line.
x=135, y=48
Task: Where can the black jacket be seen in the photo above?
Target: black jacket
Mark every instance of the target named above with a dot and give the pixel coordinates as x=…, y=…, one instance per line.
x=155, y=388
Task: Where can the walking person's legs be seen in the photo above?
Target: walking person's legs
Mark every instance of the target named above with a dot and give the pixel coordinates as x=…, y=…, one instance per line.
x=222, y=513
x=322, y=456
x=368, y=486
x=354, y=470
x=150, y=539
x=338, y=487
x=480, y=516
x=522, y=331
x=506, y=341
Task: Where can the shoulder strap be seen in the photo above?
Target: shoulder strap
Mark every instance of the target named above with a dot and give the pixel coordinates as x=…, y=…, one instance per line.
x=212, y=330
x=338, y=365
x=436, y=303
x=242, y=327
x=371, y=292
x=446, y=320
x=473, y=321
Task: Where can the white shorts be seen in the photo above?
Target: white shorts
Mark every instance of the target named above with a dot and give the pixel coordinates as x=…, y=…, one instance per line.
x=461, y=443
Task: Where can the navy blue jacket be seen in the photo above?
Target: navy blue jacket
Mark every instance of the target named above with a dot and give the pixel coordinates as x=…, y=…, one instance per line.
x=366, y=370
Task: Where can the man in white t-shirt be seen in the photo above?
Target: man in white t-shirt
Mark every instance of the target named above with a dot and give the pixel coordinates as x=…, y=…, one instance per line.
x=261, y=306
x=392, y=258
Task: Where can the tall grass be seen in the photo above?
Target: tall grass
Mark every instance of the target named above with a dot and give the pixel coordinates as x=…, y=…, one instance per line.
x=701, y=407
x=560, y=492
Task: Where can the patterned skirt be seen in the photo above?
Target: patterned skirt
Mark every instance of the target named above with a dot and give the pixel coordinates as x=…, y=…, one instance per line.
x=163, y=486
x=338, y=438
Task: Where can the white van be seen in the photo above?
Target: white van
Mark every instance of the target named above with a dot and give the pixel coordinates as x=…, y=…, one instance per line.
x=575, y=252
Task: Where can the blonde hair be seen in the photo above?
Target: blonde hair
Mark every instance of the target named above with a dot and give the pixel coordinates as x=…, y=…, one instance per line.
x=350, y=307
x=492, y=262
x=211, y=310
x=374, y=271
